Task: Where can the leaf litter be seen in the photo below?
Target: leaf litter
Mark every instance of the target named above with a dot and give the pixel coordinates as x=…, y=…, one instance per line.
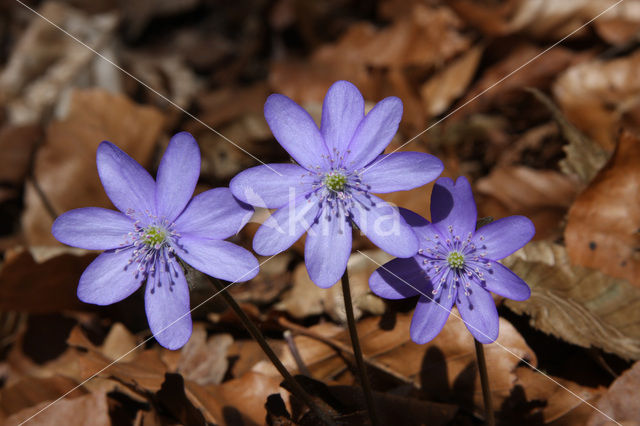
x=566, y=156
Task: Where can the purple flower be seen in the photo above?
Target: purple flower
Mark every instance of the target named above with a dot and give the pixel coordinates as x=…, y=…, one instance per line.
x=338, y=169
x=158, y=223
x=456, y=263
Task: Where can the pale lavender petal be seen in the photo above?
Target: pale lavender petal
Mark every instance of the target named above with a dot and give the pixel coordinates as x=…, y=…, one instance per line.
x=374, y=132
x=502, y=281
x=127, y=184
x=430, y=316
x=214, y=214
x=399, y=279
x=479, y=313
x=296, y=131
x=92, y=228
x=383, y=225
x=285, y=226
x=401, y=171
x=109, y=278
x=327, y=248
x=504, y=236
x=166, y=301
x=218, y=258
x=177, y=175
x=271, y=185
x=342, y=111
x=453, y=205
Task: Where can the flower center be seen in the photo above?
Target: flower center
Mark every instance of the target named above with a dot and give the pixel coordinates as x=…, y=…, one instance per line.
x=335, y=181
x=154, y=236
x=455, y=260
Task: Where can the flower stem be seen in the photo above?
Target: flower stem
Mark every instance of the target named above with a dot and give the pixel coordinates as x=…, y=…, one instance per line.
x=259, y=337
x=357, y=351
x=484, y=380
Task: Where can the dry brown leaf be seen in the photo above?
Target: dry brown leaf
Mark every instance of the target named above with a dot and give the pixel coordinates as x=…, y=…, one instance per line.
x=65, y=165
x=87, y=410
x=204, y=360
x=31, y=391
x=562, y=406
x=581, y=306
x=305, y=298
x=443, y=368
x=238, y=401
x=17, y=144
x=603, y=228
x=596, y=95
x=546, y=19
x=620, y=402
x=538, y=73
x=542, y=195
x=585, y=157
x=449, y=83
x=46, y=62
x=42, y=286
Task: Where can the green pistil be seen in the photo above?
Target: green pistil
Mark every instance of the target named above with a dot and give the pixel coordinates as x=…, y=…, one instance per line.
x=455, y=260
x=154, y=236
x=335, y=182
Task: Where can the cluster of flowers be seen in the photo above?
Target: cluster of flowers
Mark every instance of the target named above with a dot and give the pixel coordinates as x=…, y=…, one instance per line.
x=327, y=194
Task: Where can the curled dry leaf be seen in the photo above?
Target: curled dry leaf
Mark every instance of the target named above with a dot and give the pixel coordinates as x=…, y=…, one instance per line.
x=603, y=228
x=65, y=166
x=579, y=305
x=305, y=298
x=596, y=96
x=584, y=156
x=620, y=402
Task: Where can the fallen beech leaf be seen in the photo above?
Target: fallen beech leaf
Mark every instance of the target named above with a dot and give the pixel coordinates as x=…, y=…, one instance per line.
x=449, y=83
x=238, y=401
x=443, y=368
x=603, y=228
x=561, y=406
x=46, y=62
x=621, y=400
x=581, y=306
x=585, y=157
x=305, y=298
x=31, y=391
x=204, y=360
x=545, y=19
x=42, y=287
x=65, y=165
x=17, y=144
x=542, y=195
x=596, y=95
x=538, y=73
x=87, y=410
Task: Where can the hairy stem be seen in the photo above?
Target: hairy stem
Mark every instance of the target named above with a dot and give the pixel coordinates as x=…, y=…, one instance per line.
x=357, y=351
x=484, y=380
